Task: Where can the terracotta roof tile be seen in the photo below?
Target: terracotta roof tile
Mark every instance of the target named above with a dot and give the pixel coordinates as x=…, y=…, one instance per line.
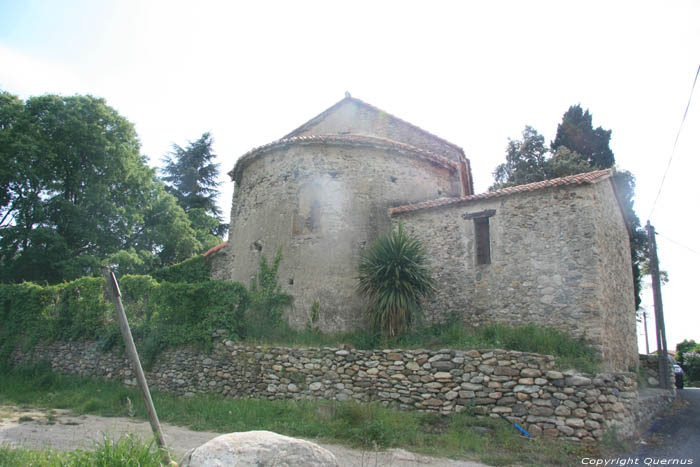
x=579, y=179
x=349, y=140
x=214, y=249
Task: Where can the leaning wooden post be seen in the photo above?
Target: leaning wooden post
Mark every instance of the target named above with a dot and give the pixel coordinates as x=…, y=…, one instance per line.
x=115, y=294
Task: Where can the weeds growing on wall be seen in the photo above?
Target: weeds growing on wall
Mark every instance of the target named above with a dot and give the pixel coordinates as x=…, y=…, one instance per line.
x=267, y=302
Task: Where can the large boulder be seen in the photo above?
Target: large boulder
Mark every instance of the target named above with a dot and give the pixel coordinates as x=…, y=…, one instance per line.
x=258, y=449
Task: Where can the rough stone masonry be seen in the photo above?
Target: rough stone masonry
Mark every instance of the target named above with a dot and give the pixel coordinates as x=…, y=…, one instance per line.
x=553, y=253
x=524, y=387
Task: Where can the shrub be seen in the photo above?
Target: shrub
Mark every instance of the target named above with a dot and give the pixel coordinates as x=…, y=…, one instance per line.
x=685, y=347
x=82, y=310
x=160, y=315
x=68, y=310
x=191, y=270
x=394, y=276
x=692, y=366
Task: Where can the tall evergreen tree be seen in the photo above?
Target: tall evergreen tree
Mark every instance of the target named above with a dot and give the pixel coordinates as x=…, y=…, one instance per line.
x=576, y=132
x=191, y=176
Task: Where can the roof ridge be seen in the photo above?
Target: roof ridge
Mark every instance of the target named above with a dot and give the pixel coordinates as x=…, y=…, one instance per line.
x=577, y=179
x=334, y=138
x=349, y=98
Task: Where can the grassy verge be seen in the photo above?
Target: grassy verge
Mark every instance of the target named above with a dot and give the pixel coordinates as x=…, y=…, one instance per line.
x=365, y=426
x=126, y=451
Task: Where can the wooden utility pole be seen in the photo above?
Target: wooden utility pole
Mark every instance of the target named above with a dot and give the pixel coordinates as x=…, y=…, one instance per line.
x=115, y=294
x=664, y=373
x=646, y=332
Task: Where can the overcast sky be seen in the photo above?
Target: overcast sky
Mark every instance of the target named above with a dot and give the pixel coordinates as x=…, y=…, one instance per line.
x=474, y=73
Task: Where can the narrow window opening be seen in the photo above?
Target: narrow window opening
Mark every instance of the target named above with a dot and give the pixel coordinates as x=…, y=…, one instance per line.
x=313, y=222
x=482, y=240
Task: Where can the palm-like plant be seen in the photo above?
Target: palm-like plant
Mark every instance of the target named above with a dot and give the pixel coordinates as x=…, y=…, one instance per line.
x=394, y=276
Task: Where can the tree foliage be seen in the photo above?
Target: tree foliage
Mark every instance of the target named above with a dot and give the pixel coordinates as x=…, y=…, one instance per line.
x=685, y=347
x=576, y=132
x=577, y=148
x=394, y=276
x=75, y=190
x=191, y=176
x=525, y=161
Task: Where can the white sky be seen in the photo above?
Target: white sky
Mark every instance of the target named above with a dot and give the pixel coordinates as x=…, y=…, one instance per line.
x=474, y=73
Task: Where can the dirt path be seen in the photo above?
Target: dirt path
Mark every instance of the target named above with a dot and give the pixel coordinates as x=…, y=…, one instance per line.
x=62, y=430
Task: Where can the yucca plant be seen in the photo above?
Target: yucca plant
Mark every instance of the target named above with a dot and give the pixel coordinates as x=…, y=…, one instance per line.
x=394, y=276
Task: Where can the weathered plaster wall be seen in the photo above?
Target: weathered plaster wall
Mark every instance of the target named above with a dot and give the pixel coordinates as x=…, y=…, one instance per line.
x=521, y=386
x=323, y=204
x=551, y=264
x=352, y=117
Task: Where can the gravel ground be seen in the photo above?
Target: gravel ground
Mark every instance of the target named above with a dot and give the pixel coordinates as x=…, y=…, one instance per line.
x=62, y=430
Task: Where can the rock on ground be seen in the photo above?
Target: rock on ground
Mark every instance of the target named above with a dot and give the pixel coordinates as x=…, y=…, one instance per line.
x=258, y=449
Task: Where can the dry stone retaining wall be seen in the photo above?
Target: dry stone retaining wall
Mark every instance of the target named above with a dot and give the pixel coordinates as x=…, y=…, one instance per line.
x=649, y=369
x=523, y=387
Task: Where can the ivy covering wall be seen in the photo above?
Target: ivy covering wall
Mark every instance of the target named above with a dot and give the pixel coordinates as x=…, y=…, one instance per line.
x=161, y=314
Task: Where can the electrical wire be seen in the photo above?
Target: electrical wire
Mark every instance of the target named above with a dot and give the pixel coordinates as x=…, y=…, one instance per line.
x=678, y=243
x=674, y=144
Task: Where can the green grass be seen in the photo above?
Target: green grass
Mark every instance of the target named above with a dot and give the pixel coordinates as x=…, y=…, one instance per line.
x=126, y=451
x=363, y=426
x=568, y=351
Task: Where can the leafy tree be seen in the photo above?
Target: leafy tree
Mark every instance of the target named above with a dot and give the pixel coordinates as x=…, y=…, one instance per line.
x=191, y=176
x=394, y=276
x=685, y=347
x=76, y=190
x=525, y=161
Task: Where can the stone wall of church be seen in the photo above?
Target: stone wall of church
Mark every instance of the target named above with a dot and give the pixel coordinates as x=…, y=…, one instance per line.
x=558, y=257
x=322, y=204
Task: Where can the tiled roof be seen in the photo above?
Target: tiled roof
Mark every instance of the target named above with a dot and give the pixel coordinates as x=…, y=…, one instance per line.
x=579, y=179
x=349, y=98
x=214, y=249
x=345, y=140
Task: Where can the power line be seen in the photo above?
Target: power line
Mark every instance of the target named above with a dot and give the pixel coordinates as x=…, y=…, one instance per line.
x=674, y=143
x=679, y=244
